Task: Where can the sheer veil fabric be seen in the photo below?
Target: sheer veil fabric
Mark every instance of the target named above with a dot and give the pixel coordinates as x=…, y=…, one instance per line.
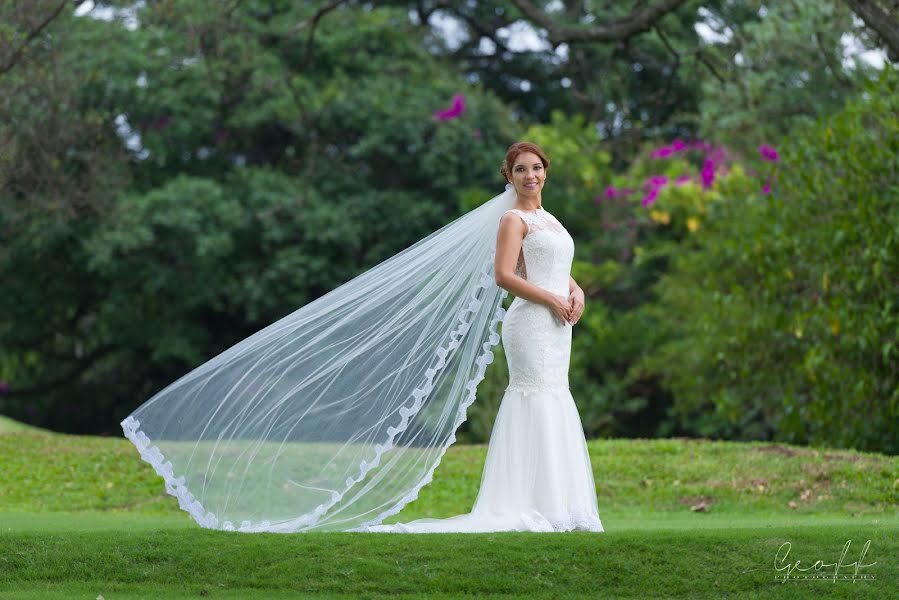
x=335, y=416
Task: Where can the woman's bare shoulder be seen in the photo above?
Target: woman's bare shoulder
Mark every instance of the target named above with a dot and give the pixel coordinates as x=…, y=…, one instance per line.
x=514, y=220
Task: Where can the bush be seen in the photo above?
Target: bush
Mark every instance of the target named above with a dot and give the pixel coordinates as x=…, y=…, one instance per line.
x=780, y=318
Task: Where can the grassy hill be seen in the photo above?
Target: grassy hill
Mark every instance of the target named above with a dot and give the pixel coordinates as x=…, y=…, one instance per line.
x=8, y=425
x=84, y=516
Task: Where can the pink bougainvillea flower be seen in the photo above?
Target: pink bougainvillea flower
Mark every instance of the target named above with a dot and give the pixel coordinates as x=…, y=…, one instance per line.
x=455, y=110
x=682, y=179
x=650, y=197
x=707, y=175
x=611, y=192
x=768, y=153
x=766, y=189
x=677, y=145
x=656, y=182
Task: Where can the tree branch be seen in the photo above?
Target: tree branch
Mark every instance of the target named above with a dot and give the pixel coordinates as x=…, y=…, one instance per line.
x=638, y=21
x=884, y=23
x=33, y=33
x=311, y=23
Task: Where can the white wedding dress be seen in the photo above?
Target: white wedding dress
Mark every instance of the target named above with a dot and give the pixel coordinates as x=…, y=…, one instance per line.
x=537, y=475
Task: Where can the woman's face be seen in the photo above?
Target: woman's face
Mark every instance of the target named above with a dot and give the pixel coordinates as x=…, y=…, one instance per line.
x=528, y=174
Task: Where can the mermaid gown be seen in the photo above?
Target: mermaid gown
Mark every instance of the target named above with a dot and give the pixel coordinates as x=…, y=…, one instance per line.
x=537, y=474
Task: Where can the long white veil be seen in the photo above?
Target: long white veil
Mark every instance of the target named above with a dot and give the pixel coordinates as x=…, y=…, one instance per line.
x=335, y=416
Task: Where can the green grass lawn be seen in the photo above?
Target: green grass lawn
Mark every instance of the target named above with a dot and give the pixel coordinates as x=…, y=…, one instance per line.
x=82, y=517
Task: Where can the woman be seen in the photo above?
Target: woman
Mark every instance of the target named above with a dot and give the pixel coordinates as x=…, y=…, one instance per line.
x=537, y=476
x=335, y=416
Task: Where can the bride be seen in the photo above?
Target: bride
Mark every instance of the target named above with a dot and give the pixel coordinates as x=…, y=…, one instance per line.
x=537, y=476
x=335, y=416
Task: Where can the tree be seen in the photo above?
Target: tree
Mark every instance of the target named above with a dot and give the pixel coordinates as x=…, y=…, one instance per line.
x=882, y=18
x=242, y=182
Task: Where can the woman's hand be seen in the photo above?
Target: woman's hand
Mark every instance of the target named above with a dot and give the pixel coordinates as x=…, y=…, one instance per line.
x=576, y=301
x=561, y=307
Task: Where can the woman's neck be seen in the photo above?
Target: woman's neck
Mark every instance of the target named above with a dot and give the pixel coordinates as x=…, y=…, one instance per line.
x=530, y=205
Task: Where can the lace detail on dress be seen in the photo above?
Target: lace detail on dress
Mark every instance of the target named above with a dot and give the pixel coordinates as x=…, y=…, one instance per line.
x=547, y=251
x=536, y=387
x=538, y=220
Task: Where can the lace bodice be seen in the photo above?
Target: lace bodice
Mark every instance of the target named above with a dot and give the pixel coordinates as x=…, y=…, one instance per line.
x=546, y=251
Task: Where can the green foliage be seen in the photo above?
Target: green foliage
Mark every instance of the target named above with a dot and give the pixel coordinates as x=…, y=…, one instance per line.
x=784, y=64
x=167, y=190
x=244, y=178
x=780, y=318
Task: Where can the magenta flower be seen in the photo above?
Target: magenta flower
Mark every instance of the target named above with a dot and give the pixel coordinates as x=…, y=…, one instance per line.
x=707, y=174
x=613, y=192
x=650, y=197
x=766, y=189
x=676, y=146
x=457, y=108
x=682, y=179
x=656, y=182
x=4, y=387
x=768, y=153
